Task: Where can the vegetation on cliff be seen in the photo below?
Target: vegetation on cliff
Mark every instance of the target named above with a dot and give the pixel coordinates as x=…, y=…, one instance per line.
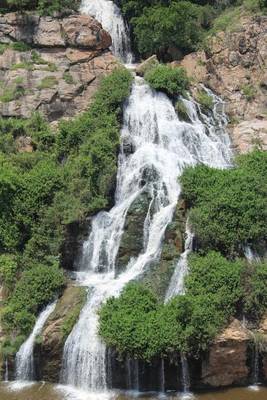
x=228, y=207
x=43, y=6
x=138, y=324
x=66, y=177
x=170, y=27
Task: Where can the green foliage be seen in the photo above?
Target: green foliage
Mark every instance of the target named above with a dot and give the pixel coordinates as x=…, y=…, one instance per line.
x=68, y=78
x=65, y=178
x=137, y=324
x=13, y=92
x=249, y=91
x=43, y=6
x=172, y=81
x=8, y=271
x=228, y=207
x=204, y=99
x=161, y=27
x=256, y=296
x=36, y=288
x=48, y=82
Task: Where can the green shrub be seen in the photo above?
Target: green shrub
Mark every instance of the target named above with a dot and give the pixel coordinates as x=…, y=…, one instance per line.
x=8, y=271
x=137, y=324
x=228, y=207
x=204, y=99
x=249, y=91
x=48, y=82
x=172, y=81
x=161, y=27
x=20, y=46
x=35, y=289
x=68, y=78
x=256, y=296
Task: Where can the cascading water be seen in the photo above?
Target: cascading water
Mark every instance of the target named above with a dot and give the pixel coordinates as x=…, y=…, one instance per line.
x=6, y=371
x=109, y=15
x=176, y=286
x=162, y=375
x=185, y=374
x=162, y=147
x=251, y=255
x=24, y=362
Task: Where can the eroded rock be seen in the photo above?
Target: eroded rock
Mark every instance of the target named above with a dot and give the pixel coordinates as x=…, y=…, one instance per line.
x=60, y=72
x=227, y=360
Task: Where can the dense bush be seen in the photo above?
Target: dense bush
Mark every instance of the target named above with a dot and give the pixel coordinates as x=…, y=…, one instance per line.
x=172, y=81
x=137, y=324
x=43, y=6
x=36, y=288
x=256, y=296
x=67, y=176
x=160, y=28
x=228, y=207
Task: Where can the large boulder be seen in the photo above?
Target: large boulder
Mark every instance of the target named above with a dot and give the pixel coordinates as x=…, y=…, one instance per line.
x=60, y=70
x=227, y=360
x=50, y=349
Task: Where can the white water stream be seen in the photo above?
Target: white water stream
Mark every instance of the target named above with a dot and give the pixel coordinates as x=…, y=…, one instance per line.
x=163, y=147
x=24, y=362
x=109, y=15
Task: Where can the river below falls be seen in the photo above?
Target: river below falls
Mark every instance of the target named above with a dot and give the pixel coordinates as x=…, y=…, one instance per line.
x=50, y=392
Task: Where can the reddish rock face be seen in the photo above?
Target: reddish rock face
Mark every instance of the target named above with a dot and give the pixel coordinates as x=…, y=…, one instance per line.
x=234, y=66
x=227, y=361
x=62, y=71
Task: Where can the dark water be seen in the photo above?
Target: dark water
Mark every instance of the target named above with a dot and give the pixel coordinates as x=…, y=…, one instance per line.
x=49, y=392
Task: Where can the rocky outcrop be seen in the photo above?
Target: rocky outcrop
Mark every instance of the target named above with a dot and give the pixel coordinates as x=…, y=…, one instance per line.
x=48, y=353
x=234, y=66
x=227, y=360
x=132, y=241
x=146, y=65
x=57, y=69
x=159, y=274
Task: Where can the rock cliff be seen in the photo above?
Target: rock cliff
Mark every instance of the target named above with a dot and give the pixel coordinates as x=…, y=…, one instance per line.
x=233, y=65
x=51, y=65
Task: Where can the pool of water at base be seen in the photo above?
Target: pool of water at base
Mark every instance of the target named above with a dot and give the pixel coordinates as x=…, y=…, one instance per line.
x=44, y=391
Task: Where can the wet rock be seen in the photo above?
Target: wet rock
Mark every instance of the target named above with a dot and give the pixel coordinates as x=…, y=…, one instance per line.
x=132, y=241
x=159, y=274
x=49, y=352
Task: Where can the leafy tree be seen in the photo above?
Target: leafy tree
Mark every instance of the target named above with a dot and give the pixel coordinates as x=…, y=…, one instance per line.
x=228, y=206
x=160, y=28
x=172, y=81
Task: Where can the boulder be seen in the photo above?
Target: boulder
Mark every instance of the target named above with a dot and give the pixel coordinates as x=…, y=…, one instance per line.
x=61, y=69
x=148, y=64
x=49, y=352
x=227, y=360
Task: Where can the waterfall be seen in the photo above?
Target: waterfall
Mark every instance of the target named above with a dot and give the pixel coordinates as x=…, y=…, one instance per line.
x=132, y=371
x=256, y=367
x=109, y=15
x=162, y=375
x=6, y=370
x=176, y=286
x=250, y=255
x=185, y=374
x=24, y=362
x=162, y=147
